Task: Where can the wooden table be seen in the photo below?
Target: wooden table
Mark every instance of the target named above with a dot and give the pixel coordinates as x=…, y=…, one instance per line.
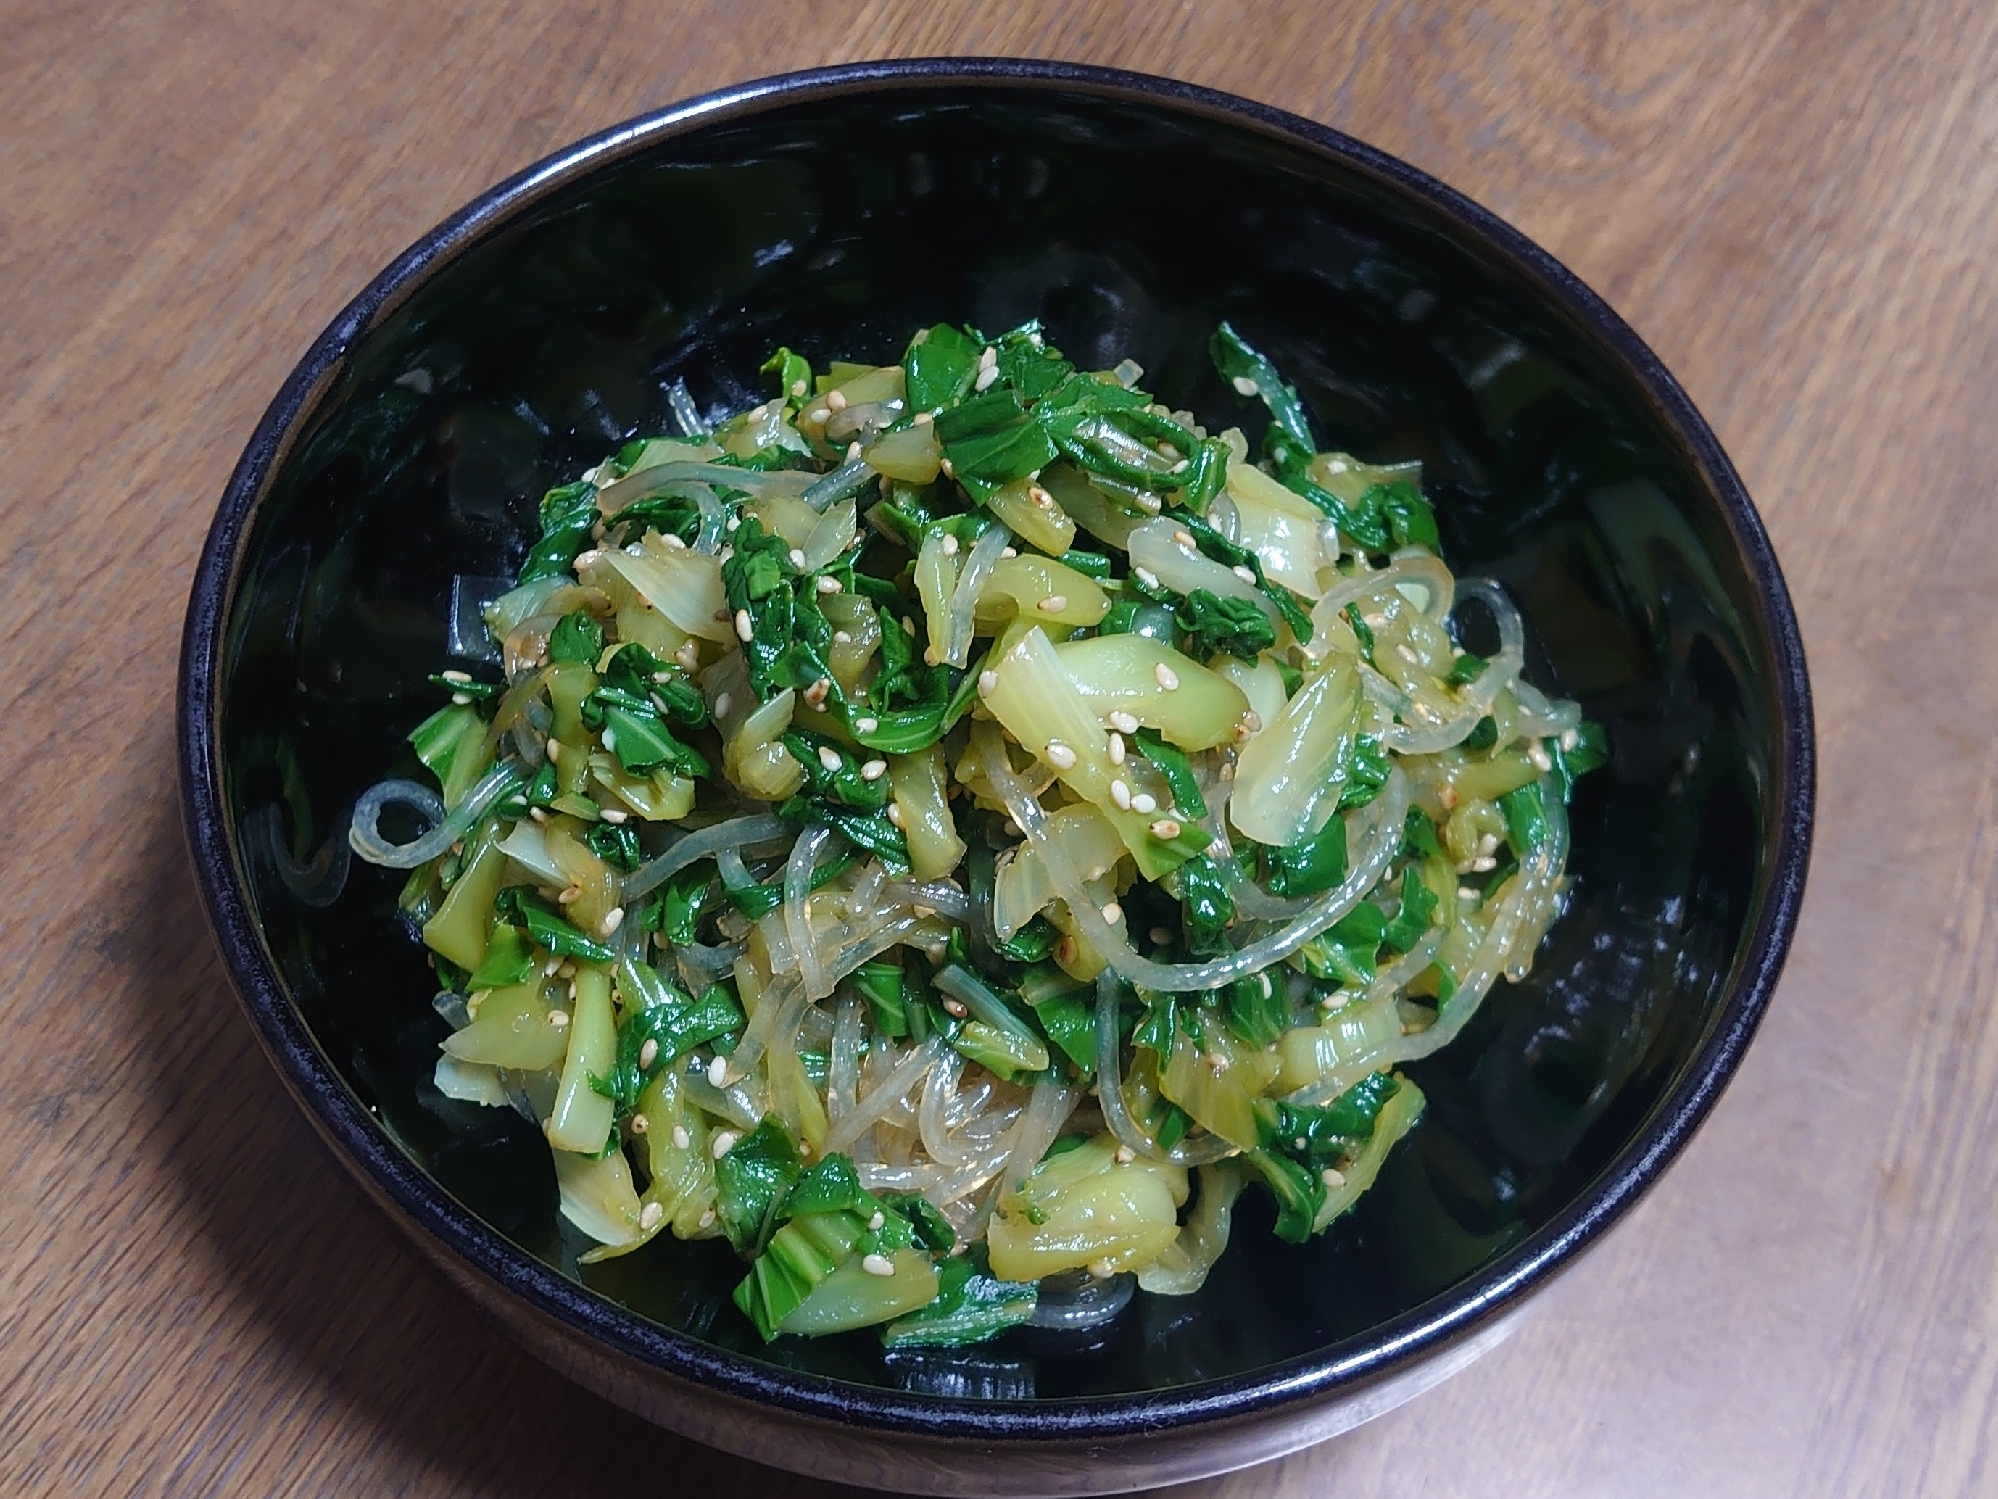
x=1797, y=205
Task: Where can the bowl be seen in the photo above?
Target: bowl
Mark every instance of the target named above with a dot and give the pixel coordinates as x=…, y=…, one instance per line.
x=834, y=211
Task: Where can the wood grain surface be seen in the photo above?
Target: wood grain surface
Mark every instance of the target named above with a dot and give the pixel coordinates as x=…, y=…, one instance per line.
x=1793, y=202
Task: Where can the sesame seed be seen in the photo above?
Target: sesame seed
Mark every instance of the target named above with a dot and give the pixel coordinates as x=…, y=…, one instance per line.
x=689, y=655
x=1333, y=1179
x=1166, y=828
x=828, y=586
x=734, y=521
x=1144, y=804
x=554, y=749
x=640, y=1124
x=985, y=378
x=798, y=388
x=613, y=919
x=1112, y=914
x=1116, y=748
x=1167, y=677
x=1488, y=844
x=1054, y=603
x=923, y=418
x=568, y=896
x=1120, y=793
x=681, y=1139
x=955, y=1006
x=1007, y=554
x=648, y=1053
x=610, y=739
x=559, y=1019
x=456, y=676
x=1216, y=1062
x=1484, y=865
x=866, y=724
x=1570, y=738
x=1407, y=655
x=1375, y=621
x=1466, y=893
x=877, y=1264
x=1040, y=498
x=651, y=1216
x=723, y=1143
x=1253, y=721
x=744, y=631
x=835, y=400
x=1123, y=722
x=988, y=682
x=829, y=757
x=874, y=770
x=1146, y=576
x=1182, y=466
x=673, y=544
x=584, y=559
x=1244, y=572
x=895, y=813
x=878, y=1222
x=1125, y=1155
x=852, y=451
x=718, y=1071
x=949, y=545
x=567, y=969
x=950, y=469
x=1185, y=539
x=1542, y=761
x=798, y=557
x=614, y=815
x=1059, y=755
x=988, y=358
x=708, y=1218
x=723, y=702
x=1244, y=386
x=1102, y=1269
x=461, y=698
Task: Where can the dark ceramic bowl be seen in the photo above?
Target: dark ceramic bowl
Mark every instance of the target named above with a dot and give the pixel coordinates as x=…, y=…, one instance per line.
x=834, y=211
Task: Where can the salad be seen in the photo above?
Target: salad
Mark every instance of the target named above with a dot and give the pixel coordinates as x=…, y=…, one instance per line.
x=949, y=830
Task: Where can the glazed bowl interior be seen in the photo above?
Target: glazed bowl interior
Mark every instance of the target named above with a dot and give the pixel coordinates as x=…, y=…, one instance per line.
x=522, y=345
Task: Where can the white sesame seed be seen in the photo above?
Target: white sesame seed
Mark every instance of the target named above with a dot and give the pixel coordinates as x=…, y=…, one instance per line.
x=456, y=676
x=1245, y=386
x=1123, y=722
x=909, y=626
x=1167, y=677
x=1488, y=844
x=828, y=585
x=1120, y=793
x=567, y=896
x=681, y=1139
x=723, y=702
x=1407, y=655
x=559, y=1019
x=1166, y=828
x=829, y=757
x=1007, y=554
x=613, y=919
x=1144, y=803
x=874, y=770
x=734, y=521
x=1570, y=739
x=985, y=378
x=924, y=418
x=1146, y=576
x=988, y=682
x=949, y=545
x=708, y=1218
x=1542, y=761
x=1059, y=755
x=1185, y=539
x=1112, y=914
x=878, y=1222
x=1466, y=893
x=640, y=1124
x=610, y=739
x=1125, y=1155
x=798, y=388
x=1216, y=1062
x=877, y=1264
x=988, y=357
x=651, y=1216
x=1102, y=1269
x=614, y=815
x=673, y=544
x=718, y=1071
x=852, y=451
x=689, y=655
x=955, y=1006
x=648, y=1053
x=835, y=400
x=798, y=557
x=744, y=631
x=1244, y=572
x=1182, y=466
x=1333, y=1179
x=1054, y=603
x=1116, y=748
x=1374, y=621
x=554, y=749
x=723, y=1143
x=895, y=813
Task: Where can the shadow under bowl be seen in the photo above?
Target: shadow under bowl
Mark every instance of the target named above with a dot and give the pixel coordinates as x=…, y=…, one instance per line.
x=833, y=212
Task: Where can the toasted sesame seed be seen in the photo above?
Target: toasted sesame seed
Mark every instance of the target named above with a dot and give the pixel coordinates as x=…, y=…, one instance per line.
x=1447, y=796
x=1040, y=498
x=723, y=1143
x=798, y=558
x=1054, y=603
x=1123, y=722
x=923, y=418
x=798, y=388
x=874, y=770
x=948, y=467
x=744, y=631
x=1059, y=755
x=988, y=683
x=1112, y=914
x=1375, y=621
x=955, y=1006
x=1120, y=793
x=1167, y=677
x=1166, y=828
x=567, y=970
x=613, y=919
x=568, y=896
x=1144, y=804
x=1244, y=572
x=1125, y=1155
x=1185, y=539
x=1102, y=1269
x=1253, y=721
x=651, y=1216
x=877, y=1264
x=681, y=1139
x=835, y=400
x=559, y=1019
x=828, y=585
x=829, y=757
x=718, y=1071
x=640, y=1124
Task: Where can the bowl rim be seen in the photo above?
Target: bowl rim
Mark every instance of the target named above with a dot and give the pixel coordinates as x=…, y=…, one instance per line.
x=366, y=1148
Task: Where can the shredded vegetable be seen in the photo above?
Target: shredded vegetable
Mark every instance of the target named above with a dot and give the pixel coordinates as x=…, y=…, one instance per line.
x=950, y=829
